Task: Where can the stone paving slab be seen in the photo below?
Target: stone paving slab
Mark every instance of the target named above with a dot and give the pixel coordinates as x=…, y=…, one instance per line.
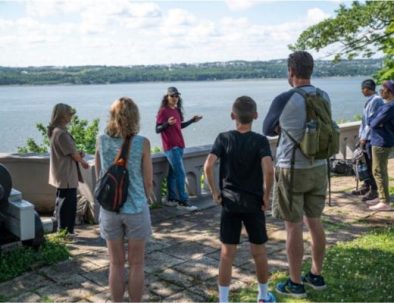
x=183, y=254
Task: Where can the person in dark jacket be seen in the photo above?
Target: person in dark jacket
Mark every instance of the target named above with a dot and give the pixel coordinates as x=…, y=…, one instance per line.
x=382, y=140
x=374, y=101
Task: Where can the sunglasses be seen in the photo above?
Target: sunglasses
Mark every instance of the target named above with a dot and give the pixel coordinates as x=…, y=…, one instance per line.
x=174, y=96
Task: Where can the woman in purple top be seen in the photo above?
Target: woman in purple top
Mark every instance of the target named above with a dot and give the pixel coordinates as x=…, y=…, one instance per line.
x=382, y=141
x=169, y=122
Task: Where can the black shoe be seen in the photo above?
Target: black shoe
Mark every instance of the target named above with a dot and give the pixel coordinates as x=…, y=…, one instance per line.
x=361, y=191
x=314, y=281
x=372, y=194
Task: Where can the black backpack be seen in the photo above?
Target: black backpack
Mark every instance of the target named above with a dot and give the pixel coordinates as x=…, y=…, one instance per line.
x=112, y=187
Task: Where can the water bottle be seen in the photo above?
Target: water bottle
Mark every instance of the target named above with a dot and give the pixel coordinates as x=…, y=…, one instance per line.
x=309, y=143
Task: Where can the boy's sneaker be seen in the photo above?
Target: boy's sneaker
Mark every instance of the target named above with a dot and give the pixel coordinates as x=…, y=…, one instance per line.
x=170, y=203
x=186, y=206
x=288, y=288
x=314, y=281
x=271, y=298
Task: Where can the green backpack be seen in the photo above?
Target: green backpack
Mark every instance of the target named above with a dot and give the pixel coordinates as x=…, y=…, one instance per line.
x=321, y=134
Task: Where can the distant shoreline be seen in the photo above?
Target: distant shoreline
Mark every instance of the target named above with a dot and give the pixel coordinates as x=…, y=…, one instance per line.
x=142, y=82
x=215, y=71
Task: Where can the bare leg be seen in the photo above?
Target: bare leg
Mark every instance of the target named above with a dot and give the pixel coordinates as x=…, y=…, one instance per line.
x=227, y=255
x=116, y=269
x=294, y=250
x=260, y=259
x=318, y=244
x=136, y=249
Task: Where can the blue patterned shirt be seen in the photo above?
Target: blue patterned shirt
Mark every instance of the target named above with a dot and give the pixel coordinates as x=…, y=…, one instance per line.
x=109, y=147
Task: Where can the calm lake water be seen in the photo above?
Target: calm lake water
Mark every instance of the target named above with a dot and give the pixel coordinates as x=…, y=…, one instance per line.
x=23, y=106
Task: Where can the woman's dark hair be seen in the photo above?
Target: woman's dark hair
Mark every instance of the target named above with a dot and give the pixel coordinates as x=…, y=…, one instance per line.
x=164, y=103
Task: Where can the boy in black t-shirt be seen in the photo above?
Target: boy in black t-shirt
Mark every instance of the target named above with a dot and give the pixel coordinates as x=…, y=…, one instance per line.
x=246, y=177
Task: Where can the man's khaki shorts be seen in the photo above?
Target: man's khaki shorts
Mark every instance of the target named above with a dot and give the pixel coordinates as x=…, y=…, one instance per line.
x=308, y=194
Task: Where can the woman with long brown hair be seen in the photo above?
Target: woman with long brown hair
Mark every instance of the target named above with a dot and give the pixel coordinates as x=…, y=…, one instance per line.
x=64, y=171
x=169, y=122
x=133, y=221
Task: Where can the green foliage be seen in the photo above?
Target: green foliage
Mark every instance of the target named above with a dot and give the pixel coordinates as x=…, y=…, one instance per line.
x=176, y=72
x=357, y=117
x=155, y=150
x=83, y=132
x=358, y=271
x=358, y=30
x=32, y=146
x=20, y=260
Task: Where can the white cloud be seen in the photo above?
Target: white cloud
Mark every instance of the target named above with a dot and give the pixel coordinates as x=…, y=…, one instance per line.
x=240, y=4
x=316, y=15
x=125, y=32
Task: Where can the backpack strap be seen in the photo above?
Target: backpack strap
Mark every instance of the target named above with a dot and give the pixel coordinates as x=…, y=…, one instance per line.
x=296, y=146
x=124, y=151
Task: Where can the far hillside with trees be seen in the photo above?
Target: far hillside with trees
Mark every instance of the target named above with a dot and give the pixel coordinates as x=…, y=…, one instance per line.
x=177, y=72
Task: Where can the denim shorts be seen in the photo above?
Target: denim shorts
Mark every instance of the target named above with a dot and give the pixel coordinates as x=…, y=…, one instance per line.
x=114, y=226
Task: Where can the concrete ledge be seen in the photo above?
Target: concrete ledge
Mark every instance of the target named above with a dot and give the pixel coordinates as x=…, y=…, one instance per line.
x=29, y=172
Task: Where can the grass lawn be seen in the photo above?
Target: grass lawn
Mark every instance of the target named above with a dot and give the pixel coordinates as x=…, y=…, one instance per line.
x=358, y=271
x=23, y=259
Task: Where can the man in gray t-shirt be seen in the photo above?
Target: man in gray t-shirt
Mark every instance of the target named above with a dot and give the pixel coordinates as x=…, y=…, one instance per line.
x=300, y=194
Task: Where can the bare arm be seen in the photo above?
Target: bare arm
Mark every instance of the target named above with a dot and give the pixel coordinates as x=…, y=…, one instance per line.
x=78, y=157
x=147, y=171
x=268, y=173
x=97, y=163
x=209, y=174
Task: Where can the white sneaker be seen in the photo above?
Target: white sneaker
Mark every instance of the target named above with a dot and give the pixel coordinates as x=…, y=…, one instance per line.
x=170, y=203
x=372, y=201
x=186, y=206
x=381, y=206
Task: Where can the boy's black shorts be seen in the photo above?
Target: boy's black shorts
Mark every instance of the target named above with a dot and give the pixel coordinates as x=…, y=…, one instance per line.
x=231, y=226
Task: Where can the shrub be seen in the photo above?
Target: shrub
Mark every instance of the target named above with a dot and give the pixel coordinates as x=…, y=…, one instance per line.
x=83, y=132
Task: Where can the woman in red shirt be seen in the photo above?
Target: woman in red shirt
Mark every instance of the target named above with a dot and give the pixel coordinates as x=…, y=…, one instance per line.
x=169, y=123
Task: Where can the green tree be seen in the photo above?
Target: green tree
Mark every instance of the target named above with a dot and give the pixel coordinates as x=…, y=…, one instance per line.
x=83, y=132
x=358, y=30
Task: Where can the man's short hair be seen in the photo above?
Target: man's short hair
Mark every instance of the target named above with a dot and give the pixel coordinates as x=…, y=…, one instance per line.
x=245, y=108
x=302, y=64
x=369, y=83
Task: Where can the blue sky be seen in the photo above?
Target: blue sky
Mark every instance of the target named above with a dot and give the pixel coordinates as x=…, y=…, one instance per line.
x=131, y=32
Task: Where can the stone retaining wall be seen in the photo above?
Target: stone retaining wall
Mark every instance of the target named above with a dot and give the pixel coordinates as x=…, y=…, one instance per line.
x=30, y=171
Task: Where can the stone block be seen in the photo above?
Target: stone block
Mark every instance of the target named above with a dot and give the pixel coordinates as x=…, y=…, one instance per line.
x=99, y=277
x=162, y=288
x=188, y=250
x=176, y=277
x=200, y=269
x=185, y=296
x=62, y=271
x=25, y=283
x=158, y=261
x=26, y=297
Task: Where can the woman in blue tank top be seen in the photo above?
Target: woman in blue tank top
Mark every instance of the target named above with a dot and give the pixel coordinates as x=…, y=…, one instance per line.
x=133, y=221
